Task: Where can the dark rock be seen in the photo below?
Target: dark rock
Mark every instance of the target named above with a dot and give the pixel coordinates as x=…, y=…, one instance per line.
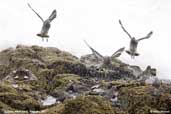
x=77, y=88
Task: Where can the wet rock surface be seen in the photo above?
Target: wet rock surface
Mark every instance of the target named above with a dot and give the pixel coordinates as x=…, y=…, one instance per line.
x=55, y=81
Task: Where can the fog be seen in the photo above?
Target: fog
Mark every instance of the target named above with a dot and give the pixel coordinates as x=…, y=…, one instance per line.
x=96, y=21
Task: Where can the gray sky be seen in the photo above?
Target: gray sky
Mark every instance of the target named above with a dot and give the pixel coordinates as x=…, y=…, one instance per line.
x=95, y=21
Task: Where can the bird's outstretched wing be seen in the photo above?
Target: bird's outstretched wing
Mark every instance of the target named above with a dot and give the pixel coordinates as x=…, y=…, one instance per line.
x=97, y=54
x=146, y=37
x=118, y=52
x=35, y=12
x=124, y=29
x=52, y=16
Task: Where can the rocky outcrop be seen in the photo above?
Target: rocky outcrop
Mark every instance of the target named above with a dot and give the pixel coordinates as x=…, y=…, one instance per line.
x=20, y=74
x=87, y=105
x=91, y=60
x=147, y=75
x=34, y=76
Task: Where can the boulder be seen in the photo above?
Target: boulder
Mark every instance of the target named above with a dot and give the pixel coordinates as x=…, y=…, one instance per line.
x=20, y=74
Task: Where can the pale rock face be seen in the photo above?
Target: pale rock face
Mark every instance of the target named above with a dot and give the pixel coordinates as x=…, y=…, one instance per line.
x=156, y=81
x=151, y=80
x=26, y=77
x=114, y=99
x=49, y=101
x=16, y=77
x=15, y=85
x=165, y=81
x=95, y=86
x=14, y=71
x=99, y=90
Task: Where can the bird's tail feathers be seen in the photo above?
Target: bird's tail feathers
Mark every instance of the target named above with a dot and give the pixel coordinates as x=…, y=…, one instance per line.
x=131, y=53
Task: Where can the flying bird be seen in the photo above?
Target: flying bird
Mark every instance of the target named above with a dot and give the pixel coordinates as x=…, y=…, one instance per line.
x=134, y=42
x=46, y=23
x=107, y=60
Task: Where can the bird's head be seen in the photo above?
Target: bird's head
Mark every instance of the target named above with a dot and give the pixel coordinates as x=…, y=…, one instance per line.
x=133, y=38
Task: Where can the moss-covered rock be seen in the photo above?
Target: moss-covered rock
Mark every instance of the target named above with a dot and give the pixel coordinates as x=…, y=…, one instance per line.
x=143, y=99
x=164, y=102
x=4, y=71
x=65, y=66
x=54, y=82
x=88, y=105
x=17, y=98
x=59, y=73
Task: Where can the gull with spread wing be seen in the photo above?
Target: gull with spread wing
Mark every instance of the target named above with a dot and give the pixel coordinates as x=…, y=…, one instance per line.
x=107, y=60
x=134, y=42
x=46, y=23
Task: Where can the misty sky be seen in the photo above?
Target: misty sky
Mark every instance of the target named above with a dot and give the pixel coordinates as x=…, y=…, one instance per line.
x=95, y=21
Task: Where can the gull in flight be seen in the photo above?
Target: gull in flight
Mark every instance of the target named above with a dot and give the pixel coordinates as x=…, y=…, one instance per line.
x=46, y=24
x=134, y=42
x=107, y=60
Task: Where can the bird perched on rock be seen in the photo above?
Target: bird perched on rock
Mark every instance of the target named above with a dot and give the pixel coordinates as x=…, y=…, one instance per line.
x=107, y=60
x=134, y=42
x=46, y=23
